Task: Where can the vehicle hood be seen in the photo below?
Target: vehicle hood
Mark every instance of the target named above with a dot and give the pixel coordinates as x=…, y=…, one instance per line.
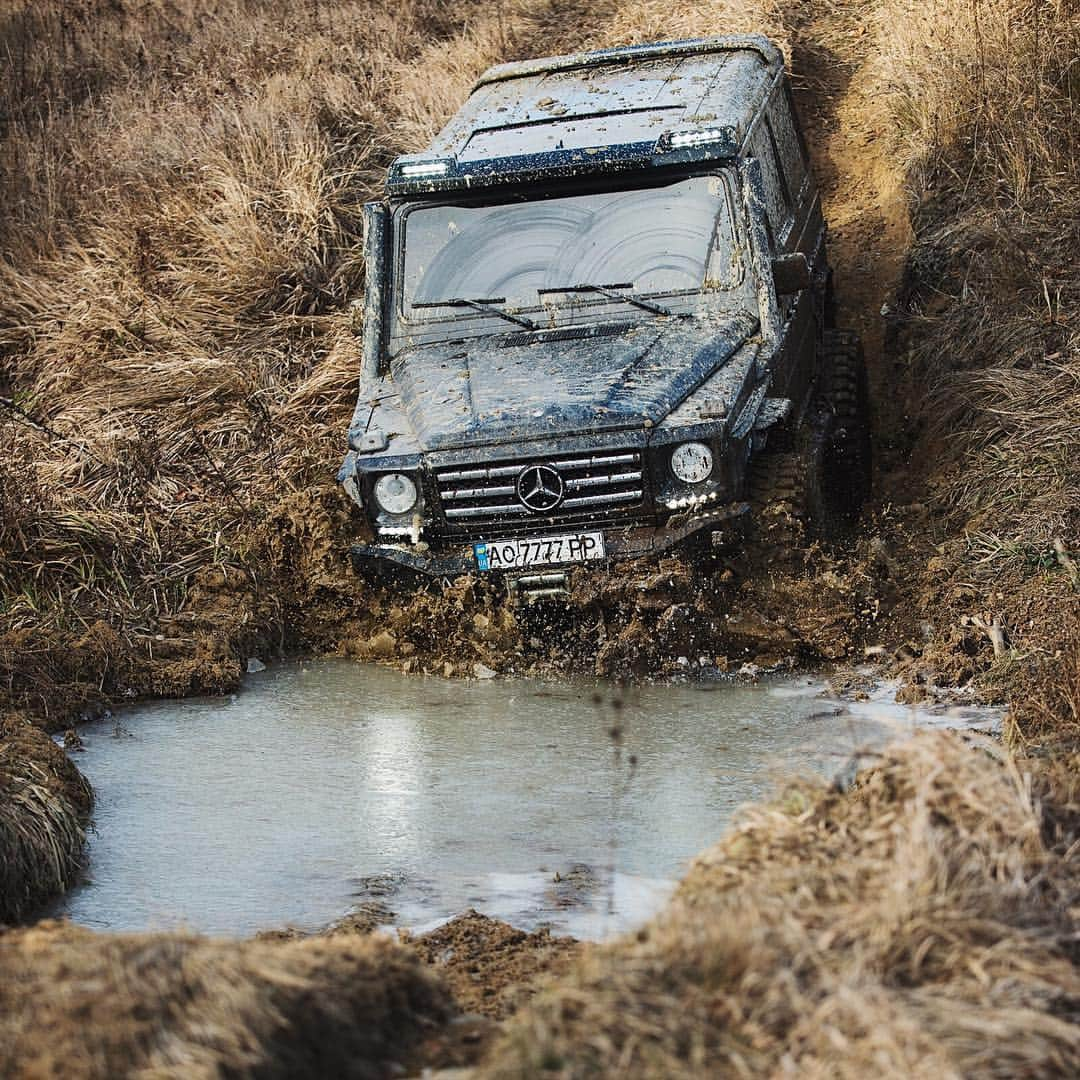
x=495, y=390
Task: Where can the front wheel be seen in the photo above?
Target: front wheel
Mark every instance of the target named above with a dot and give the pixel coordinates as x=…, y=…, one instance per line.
x=817, y=490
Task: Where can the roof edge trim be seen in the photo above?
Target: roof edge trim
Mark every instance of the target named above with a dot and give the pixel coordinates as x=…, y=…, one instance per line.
x=757, y=43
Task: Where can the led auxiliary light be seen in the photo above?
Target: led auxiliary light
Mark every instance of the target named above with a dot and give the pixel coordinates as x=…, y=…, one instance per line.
x=424, y=168
x=395, y=493
x=688, y=501
x=682, y=140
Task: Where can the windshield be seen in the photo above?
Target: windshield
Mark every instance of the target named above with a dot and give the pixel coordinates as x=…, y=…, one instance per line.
x=596, y=248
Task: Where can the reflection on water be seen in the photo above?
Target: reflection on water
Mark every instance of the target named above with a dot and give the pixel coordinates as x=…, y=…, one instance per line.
x=325, y=784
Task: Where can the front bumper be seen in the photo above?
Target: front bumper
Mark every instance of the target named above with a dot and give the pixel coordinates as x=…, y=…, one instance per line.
x=385, y=563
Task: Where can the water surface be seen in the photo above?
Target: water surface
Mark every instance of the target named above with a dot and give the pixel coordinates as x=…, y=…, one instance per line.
x=327, y=784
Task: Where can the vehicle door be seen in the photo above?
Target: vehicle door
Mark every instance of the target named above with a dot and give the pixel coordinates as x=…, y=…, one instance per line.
x=793, y=223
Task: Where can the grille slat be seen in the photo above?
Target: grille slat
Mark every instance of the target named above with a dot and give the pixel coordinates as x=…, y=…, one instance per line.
x=602, y=500
x=611, y=483
x=477, y=493
x=486, y=511
x=601, y=481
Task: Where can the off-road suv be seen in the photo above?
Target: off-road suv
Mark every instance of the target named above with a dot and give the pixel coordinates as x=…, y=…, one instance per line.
x=596, y=322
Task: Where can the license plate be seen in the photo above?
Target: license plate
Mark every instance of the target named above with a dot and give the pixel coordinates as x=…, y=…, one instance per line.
x=539, y=551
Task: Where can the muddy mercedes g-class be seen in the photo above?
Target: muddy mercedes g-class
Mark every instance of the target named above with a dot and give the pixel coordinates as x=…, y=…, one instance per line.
x=597, y=324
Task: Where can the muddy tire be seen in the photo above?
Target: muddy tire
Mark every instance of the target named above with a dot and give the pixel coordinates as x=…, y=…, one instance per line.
x=816, y=490
x=777, y=500
x=845, y=393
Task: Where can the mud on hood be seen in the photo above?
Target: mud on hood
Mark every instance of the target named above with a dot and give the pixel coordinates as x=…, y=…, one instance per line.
x=488, y=391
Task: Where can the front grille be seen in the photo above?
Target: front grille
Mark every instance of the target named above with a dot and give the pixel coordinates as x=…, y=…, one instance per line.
x=609, y=483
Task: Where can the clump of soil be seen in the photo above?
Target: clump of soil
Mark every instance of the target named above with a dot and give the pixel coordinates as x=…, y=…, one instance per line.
x=84, y=1005
x=490, y=967
x=44, y=804
x=920, y=925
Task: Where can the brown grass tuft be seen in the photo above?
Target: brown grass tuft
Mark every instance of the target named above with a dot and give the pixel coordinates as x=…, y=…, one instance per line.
x=44, y=802
x=918, y=926
x=77, y=1004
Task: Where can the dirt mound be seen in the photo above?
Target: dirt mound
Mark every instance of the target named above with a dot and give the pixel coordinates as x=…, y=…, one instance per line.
x=44, y=803
x=76, y=1004
x=490, y=967
x=917, y=926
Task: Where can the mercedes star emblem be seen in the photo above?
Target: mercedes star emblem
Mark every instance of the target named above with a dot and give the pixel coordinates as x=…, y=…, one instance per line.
x=540, y=488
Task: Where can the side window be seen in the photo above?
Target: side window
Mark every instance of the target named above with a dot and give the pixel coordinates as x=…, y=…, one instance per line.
x=786, y=140
x=777, y=198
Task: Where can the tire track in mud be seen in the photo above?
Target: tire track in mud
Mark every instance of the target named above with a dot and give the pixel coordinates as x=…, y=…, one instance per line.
x=844, y=109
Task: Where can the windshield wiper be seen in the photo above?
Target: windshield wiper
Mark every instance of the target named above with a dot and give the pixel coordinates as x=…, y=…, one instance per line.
x=487, y=306
x=613, y=292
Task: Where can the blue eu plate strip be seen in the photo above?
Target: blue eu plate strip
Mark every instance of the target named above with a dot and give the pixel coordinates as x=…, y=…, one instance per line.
x=481, y=552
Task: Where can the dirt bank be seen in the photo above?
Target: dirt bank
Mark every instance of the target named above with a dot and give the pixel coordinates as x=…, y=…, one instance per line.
x=347, y=1003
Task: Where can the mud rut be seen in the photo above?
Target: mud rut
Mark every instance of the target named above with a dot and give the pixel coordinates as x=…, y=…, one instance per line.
x=863, y=195
x=763, y=606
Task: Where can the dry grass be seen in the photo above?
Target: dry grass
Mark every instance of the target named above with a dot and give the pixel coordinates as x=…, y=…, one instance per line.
x=987, y=102
x=43, y=804
x=76, y=1004
x=178, y=254
x=922, y=925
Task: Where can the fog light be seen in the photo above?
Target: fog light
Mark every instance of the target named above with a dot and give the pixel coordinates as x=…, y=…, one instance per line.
x=692, y=462
x=395, y=493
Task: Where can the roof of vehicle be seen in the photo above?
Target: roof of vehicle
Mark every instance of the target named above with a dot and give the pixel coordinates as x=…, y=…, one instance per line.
x=599, y=110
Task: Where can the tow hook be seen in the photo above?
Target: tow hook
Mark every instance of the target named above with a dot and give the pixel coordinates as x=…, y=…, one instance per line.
x=528, y=588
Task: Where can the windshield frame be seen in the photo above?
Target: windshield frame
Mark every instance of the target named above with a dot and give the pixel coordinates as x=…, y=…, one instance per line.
x=580, y=308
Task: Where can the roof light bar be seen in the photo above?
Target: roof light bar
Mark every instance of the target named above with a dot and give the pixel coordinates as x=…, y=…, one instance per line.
x=685, y=140
x=424, y=168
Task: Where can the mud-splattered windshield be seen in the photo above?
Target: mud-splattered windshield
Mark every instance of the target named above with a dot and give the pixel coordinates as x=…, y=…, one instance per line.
x=539, y=255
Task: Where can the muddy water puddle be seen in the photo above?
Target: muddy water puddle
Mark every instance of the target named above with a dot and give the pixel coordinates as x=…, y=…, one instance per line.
x=328, y=785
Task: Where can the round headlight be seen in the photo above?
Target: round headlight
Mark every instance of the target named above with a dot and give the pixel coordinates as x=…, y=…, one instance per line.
x=395, y=493
x=692, y=462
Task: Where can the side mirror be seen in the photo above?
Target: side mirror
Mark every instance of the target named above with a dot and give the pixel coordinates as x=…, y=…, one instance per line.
x=791, y=273
x=376, y=234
